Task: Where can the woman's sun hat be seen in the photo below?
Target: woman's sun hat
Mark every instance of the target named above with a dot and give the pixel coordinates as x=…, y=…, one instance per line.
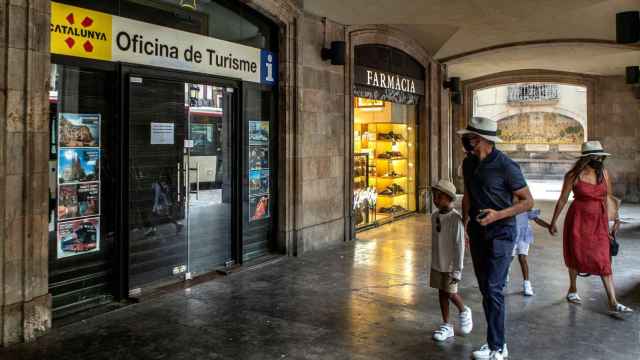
x=446, y=187
x=482, y=127
x=593, y=148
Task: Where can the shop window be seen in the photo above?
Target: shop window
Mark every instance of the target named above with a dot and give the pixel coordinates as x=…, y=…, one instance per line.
x=81, y=225
x=258, y=195
x=384, y=174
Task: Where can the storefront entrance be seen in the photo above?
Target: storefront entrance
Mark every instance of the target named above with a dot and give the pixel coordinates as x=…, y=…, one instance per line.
x=162, y=154
x=180, y=185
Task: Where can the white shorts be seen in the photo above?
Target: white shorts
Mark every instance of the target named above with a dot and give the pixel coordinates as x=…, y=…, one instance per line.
x=521, y=248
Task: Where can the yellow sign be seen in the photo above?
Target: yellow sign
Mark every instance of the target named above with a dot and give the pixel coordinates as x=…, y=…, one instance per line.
x=80, y=32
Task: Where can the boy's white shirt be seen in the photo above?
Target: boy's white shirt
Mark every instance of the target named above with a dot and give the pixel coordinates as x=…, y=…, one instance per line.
x=447, y=246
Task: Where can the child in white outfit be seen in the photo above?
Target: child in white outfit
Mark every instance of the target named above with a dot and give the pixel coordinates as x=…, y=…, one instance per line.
x=523, y=241
x=447, y=258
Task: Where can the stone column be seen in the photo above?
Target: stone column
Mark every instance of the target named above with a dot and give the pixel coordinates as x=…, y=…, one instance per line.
x=25, y=310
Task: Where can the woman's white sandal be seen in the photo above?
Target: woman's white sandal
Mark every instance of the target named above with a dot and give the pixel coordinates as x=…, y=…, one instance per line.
x=620, y=309
x=574, y=298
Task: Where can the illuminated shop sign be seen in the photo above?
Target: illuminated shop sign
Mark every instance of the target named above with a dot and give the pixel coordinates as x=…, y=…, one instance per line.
x=94, y=35
x=381, y=79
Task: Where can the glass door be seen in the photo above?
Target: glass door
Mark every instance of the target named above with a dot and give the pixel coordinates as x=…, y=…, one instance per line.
x=180, y=188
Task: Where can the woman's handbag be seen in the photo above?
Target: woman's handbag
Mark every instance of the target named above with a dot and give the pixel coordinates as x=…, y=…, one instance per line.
x=613, y=208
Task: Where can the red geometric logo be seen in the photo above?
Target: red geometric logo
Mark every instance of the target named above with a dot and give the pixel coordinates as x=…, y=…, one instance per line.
x=88, y=47
x=87, y=22
x=70, y=42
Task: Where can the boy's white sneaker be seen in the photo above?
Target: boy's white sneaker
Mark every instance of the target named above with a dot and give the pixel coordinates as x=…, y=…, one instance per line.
x=443, y=333
x=527, y=288
x=485, y=353
x=466, y=321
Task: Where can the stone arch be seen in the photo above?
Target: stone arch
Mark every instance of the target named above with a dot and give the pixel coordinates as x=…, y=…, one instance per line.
x=434, y=134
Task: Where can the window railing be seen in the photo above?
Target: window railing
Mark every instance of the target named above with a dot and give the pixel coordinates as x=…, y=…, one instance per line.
x=533, y=93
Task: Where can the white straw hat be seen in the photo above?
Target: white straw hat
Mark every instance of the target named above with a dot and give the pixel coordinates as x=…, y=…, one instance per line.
x=593, y=148
x=446, y=187
x=483, y=127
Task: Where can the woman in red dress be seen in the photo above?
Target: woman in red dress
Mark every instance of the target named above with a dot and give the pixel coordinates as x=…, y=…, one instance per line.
x=586, y=228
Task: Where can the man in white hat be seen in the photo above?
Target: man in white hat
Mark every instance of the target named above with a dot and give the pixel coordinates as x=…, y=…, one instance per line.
x=491, y=181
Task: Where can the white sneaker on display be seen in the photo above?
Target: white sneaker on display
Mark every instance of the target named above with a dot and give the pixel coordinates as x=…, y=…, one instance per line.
x=527, y=288
x=443, y=333
x=466, y=321
x=486, y=354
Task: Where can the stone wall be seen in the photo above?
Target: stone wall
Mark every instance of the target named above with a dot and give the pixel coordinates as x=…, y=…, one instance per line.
x=617, y=126
x=320, y=141
x=24, y=76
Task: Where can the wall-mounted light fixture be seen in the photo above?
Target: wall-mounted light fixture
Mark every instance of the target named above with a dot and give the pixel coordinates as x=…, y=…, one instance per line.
x=628, y=27
x=632, y=74
x=453, y=85
x=338, y=50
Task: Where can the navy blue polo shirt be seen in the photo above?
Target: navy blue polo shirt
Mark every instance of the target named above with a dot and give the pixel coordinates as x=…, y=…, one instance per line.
x=490, y=184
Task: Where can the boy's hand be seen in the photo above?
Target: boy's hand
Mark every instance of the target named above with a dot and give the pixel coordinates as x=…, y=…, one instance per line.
x=453, y=281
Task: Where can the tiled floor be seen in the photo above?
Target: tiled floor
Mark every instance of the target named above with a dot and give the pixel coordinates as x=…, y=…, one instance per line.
x=366, y=299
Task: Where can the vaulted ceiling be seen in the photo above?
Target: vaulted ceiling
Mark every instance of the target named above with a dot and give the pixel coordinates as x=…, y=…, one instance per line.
x=480, y=37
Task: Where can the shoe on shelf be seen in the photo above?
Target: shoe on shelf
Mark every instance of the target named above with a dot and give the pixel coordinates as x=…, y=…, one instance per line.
x=527, y=288
x=384, y=156
x=443, y=333
x=386, y=191
x=485, y=353
x=396, y=188
x=466, y=320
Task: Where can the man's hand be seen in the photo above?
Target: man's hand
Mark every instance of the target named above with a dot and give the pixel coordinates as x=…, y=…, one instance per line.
x=489, y=216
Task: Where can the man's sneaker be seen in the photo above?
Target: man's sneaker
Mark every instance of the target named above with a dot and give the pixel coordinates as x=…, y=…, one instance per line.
x=485, y=353
x=466, y=321
x=496, y=355
x=527, y=288
x=443, y=333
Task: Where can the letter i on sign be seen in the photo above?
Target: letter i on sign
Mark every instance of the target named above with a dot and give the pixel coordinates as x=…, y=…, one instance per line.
x=268, y=67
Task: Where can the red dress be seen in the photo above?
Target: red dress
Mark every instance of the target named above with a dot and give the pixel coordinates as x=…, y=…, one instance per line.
x=586, y=230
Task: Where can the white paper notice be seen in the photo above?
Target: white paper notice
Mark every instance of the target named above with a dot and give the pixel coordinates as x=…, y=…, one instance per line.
x=162, y=133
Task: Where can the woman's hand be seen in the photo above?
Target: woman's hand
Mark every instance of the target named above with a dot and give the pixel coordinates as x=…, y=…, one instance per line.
x=553, y=229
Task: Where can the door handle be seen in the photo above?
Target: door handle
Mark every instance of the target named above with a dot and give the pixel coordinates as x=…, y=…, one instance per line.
x=178, y=181
x=197, y=170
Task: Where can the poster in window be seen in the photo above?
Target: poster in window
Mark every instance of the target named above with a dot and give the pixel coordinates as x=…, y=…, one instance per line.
x=259, y=208
x=78, y=200
x=78, y=165
x=78, y=237
x=258, y=132
x=258, y=182
x=79, y=130
x=258, y=157
x=67, y=202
